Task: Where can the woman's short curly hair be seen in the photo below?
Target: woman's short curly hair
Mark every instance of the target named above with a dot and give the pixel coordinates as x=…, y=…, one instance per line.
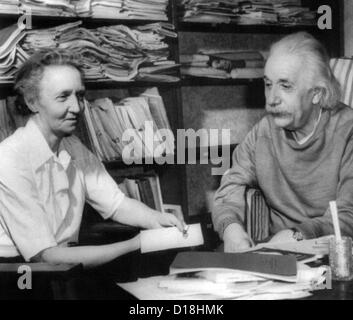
x=31, y=72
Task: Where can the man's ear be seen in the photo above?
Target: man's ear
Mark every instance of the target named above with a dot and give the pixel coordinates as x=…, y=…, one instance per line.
x=317, y=95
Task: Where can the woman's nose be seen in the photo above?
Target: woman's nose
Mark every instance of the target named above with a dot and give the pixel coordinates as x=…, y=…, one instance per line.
x=75, y=105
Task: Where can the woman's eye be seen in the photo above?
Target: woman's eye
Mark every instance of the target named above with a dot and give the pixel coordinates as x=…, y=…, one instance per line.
x=62, y=98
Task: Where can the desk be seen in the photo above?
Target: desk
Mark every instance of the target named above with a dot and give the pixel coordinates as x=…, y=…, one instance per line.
x=339, y=291
x=100, y=284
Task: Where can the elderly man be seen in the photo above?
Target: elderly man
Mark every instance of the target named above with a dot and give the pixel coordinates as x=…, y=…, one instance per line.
x=300, y=155
x=46, y=174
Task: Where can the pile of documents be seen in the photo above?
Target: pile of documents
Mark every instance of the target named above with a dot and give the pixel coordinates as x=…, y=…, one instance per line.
x=248, y=12
x=9, y=6
x=105, y=9
x=267, y=271
x=123, y=9
x=48, y=7
x=129, y=129
x=113, y=52
x=235, y=276
x=11, y=56
x=224, y=64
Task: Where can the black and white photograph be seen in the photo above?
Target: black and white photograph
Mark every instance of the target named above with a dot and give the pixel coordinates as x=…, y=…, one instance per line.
x=176, y=155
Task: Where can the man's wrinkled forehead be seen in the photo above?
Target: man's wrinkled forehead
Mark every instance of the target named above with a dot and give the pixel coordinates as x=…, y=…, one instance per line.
x=282, y=66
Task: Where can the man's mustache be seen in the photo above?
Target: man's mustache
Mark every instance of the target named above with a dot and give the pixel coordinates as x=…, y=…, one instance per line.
x=278, y=113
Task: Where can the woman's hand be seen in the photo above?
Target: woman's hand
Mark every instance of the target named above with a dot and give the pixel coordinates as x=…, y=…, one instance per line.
x=160, y=220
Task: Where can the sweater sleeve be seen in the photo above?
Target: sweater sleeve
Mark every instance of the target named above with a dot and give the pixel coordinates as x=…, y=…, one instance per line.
x=322, y=226
x=229, y=200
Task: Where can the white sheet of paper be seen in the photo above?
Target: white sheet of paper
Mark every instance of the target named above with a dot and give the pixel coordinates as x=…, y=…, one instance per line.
x=170, y=238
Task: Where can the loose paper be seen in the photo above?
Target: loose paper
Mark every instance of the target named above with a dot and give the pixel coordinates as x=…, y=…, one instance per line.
x=169, y=238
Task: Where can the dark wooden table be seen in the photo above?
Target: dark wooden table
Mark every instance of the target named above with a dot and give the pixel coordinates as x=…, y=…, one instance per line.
x=158, y=264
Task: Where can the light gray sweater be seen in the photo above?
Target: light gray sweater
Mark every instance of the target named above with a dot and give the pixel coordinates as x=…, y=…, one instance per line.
x=298, y=181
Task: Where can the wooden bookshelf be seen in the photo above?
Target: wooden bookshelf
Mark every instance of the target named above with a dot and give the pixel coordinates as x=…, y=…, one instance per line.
x=174, y=92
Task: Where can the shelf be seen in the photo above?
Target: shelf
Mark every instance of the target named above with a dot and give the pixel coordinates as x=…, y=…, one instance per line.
x=115, y=164
x=189, y=81
x=204, y=81
x=86, y=20
x=110, y=84
x=238, y=28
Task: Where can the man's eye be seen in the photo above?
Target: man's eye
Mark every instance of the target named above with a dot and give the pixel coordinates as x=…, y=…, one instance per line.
x=62, y=97
x=268, y=85
x=286, y=86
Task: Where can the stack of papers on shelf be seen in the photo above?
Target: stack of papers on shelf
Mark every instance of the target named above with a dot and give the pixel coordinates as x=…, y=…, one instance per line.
x=213, y=275
x=9, y=6
x=9, y=39
x=123, y=9
x=112, y=52
x=48, y=7
x=248, y=12
x=236, y=64
x=104, y=9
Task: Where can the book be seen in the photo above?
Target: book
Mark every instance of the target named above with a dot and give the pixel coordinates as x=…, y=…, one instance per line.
x=228, y=65
x=272, y=266
x=146, y=193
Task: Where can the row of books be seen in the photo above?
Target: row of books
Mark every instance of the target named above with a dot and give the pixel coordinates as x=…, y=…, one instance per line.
x=145, y=189
x=132, y=128
x=107, y=9
x=114, y=52
x=224, y=64
x=283, y=12
x=10, y=117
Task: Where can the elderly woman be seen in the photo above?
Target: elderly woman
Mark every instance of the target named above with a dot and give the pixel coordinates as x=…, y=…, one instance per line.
x=46, y=174
x=300, y=155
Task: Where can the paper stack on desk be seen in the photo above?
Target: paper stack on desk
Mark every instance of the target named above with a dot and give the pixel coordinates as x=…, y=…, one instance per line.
x=214, y=275
x=224, y=284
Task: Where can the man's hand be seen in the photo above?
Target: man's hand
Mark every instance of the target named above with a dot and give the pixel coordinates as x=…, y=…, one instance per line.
x=160, y=220
x=236, y=239
x=285, y=235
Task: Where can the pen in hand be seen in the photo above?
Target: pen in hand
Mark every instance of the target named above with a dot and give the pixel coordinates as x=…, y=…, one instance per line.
x=185, y=231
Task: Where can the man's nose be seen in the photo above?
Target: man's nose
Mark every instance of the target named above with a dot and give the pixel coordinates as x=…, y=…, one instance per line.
x=273, y=99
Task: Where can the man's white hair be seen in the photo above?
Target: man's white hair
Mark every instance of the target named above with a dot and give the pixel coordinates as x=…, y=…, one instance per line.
x=317, y=65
